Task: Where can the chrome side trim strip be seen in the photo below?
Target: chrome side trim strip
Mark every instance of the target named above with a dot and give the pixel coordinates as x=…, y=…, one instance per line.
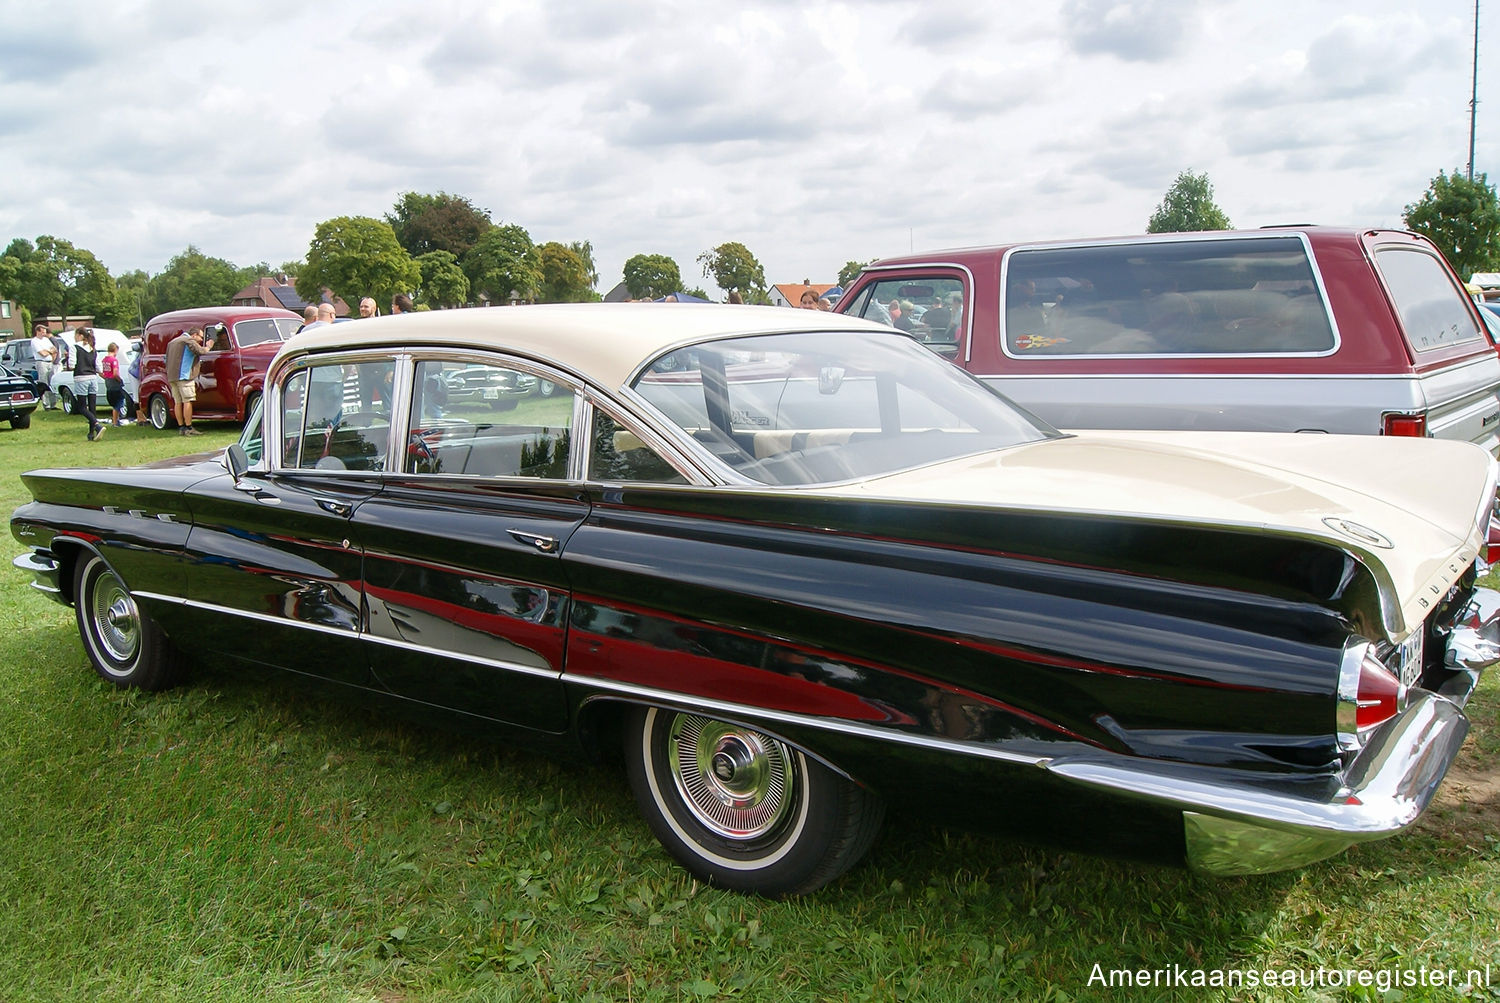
x=494, y=663
x=667, y=698
x=390, y=642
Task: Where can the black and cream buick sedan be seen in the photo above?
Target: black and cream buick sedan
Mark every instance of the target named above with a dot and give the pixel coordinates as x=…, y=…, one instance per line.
x=797, y=569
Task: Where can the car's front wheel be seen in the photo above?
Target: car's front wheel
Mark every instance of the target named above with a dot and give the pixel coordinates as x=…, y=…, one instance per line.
x=67, y=401
x=743, y=810
x=160, y=412
x=125, y=646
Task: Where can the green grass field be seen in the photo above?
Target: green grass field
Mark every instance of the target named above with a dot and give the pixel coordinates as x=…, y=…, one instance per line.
x=248, y=837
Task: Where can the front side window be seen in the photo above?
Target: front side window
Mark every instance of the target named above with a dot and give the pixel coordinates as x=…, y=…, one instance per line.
x=1255, y=296
x=1433, y=312
x=830, y=406
x=929, y=307
x=486, y=420
x=250, y=436
x=336, y=416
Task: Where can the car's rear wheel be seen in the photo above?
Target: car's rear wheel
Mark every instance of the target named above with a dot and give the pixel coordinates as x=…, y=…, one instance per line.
x=743, y=810
x=545, y=388
x=21, y=420
x=67, y=401
x=125, y=646
x=160, y=412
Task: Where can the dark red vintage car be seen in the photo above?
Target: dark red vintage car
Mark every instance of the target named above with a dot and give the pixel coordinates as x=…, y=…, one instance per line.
x=244, y=340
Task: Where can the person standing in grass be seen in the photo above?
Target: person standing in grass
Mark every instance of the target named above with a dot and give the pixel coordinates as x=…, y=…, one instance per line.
x=45, y=354
x=184, y=357
x=114, y=383
x=87, y=386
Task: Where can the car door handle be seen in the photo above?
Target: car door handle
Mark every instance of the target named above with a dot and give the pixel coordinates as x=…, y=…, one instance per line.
x=335, y=507
x=546, y=544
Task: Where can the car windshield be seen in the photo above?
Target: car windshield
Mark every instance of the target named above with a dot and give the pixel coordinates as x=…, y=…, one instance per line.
x=257, y=331
x=817, y=408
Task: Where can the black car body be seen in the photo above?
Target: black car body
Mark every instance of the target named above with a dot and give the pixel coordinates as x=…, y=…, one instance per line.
x=807, y=569
x=19, y=396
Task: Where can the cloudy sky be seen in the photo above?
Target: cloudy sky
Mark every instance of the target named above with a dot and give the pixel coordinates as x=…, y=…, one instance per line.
x=814, y=133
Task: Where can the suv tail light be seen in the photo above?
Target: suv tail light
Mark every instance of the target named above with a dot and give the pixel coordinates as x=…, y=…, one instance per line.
x=1404, y=424
x=1369, y=695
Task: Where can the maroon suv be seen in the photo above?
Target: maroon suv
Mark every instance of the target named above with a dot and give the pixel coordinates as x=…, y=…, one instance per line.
x=242, y=342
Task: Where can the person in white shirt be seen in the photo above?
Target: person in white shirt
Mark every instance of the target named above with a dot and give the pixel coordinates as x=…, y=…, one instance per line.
x=46, y=363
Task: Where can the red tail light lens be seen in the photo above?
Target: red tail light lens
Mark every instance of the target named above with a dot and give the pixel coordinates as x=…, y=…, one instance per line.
x=1379, y=697
x=1405, y=424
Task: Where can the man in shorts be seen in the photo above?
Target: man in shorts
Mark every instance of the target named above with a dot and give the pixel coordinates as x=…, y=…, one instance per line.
x=184, y=358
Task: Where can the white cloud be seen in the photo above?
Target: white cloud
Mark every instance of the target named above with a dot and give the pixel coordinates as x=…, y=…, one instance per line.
x=814, y=132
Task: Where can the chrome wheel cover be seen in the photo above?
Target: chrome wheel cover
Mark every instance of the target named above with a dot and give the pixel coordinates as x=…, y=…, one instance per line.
x=736, y=782
x=161, y=411
x=114, y=619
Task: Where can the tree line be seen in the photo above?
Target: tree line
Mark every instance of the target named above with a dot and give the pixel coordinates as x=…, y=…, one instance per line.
x=446, y=251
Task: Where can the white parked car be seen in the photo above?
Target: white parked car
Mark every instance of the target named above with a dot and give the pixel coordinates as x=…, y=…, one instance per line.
x=62, y=383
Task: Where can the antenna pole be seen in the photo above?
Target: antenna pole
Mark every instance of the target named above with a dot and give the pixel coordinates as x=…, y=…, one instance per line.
x=1474, y=92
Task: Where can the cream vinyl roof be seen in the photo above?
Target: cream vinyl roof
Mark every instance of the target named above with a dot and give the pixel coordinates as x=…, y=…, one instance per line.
x=604, y=342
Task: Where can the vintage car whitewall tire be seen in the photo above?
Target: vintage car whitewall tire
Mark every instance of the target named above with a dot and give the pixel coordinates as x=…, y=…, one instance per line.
x=740, y=809
x=67, y=401
x=160, y=411
x=124, y=645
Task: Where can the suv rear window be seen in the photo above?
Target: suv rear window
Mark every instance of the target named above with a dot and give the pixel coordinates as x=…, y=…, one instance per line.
x=1247, y=296
x=1433, y=311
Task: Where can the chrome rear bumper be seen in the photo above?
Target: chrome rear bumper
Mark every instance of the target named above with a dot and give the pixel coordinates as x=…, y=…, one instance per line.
x=1232, y=829
x=46, y=576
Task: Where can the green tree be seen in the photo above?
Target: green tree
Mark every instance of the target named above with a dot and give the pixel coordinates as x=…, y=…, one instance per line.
x=53, y=277
x=503, y=265
x=565, y=275
x=585, y=250
x=444, y=283
x=130, y=309
x=1188, y=206
x=733, y=267
x=1462, y=218
x=356, y=256
x=192, y=279
x=850, y=272
x=648, y=276
x=440, y=222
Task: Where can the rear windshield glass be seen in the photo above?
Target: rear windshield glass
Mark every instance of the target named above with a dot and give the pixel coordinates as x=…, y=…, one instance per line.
x=1432, y=309
x=819, y=407
x=1255, y=296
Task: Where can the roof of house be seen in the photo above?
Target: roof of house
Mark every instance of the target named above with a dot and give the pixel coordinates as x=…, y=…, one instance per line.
x=792, y=291
x=271, y=292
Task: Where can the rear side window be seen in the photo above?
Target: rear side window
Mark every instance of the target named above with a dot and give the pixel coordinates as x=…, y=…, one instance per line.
x=1255, y=296
x=1432, y=309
